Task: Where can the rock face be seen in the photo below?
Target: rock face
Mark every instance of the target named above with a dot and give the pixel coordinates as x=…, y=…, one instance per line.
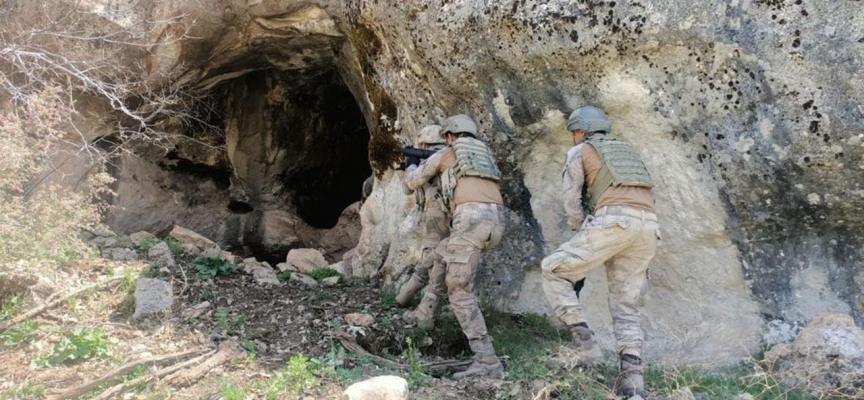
x=152, y=296
x=748, y=114
x=827, y=359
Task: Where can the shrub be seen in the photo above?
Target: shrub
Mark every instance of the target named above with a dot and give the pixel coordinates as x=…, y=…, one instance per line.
x=229, y=322
x=298, y=375
x=322, y=273
x=211, y=267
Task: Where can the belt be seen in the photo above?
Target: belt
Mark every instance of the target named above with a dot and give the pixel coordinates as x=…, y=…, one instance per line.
x=626, y=212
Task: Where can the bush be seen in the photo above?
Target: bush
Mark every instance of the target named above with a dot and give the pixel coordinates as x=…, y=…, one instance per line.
x=297, y=376
x=211, y=267
x=76, y=345
x=322, y=273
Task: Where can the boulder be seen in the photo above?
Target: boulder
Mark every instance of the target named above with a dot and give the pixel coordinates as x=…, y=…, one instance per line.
x=152, y=296
x=305, y=260
x=188, y=236
x=304, y=279
x=119, y=254
x=262, y=272
x=331, y=281
x=160, y=256
x=827, y=359
x=191, y=249
x=359, y=319
x=385, y=387
x=140, y=237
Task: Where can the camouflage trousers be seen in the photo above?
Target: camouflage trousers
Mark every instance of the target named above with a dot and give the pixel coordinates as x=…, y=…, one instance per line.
x=624, y=240
x=431, y=269
x=476, y=227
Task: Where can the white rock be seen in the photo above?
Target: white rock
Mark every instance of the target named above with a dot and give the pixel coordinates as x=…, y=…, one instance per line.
x=331, y=281
x=188, y=236
x=264, y=275
x=152, y=296
x=305, y=260
x=160, y=256
x=306, y=280
x=359, y=319
x=119, y=254
x=385, y=387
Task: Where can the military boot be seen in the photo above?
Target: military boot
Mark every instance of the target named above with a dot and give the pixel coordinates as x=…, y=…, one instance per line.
x=486, y=363
x=424, y=314
x=585, y=351
x=630, y=383
x=408, y=290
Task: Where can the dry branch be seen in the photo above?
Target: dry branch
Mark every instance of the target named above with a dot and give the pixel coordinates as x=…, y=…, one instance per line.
x=115, y=391
x=118, y=372
x=227, y=351
x=51, y=304
x=438, y=368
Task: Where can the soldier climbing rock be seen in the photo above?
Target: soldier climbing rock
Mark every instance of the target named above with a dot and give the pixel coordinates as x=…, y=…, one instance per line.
x=608, y=178
x=434, y=227
x=469, y=180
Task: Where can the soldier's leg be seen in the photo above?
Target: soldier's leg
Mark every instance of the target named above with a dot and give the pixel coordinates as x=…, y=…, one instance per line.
x=418, y=278
x=424, y=315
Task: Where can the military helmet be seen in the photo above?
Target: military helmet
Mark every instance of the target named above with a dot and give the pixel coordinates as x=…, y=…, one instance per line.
x=589, y=119
x=459, y=124
x=430, y=134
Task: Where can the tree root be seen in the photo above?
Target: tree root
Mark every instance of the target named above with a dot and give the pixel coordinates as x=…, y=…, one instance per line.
x=119, y=372
x=54, y=303
x=438, y=368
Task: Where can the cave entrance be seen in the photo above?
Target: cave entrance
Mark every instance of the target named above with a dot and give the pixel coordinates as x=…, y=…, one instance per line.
x=298, y=141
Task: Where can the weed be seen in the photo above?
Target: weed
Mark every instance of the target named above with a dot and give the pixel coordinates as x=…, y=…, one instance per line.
x=21, y=333
x=210, y=267
x=76, y=345
x=206, y=295
x=228, y=322
x=284, y=276
x=11, y=307
x=322, y=273
x=249, y=346
x=29, y=391
x=147, y=244
x=175, y=245
x=232, y=391
x=360, y=281
x=416, y=377
x=388, y=297
x=297, y=376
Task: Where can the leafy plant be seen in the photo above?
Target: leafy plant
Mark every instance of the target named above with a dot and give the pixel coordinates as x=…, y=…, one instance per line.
x=79, y=344
x=21, y=333
x=147, y=244
x=175, y=245
x=11, y=307
x=298, y=375
x=229, y=322
x=249, y=346
x=284, y=276
x=211, y=267
x=232, y=391
x=388, y=297
x=322, y=273
x=416, y=376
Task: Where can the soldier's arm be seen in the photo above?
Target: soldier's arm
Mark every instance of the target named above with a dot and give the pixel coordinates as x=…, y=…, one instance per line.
x=573, y=179
x=417, y=177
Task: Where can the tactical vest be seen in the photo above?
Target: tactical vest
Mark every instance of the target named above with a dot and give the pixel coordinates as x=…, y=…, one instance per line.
x=622, y=166
x=473, y=158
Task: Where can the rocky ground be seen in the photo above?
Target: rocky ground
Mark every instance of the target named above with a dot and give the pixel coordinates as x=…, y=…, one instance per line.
x=247, y=330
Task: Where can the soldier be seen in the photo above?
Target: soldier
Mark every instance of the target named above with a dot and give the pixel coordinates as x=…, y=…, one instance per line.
x=470, y=189
x=608, y=177
x=435, y=226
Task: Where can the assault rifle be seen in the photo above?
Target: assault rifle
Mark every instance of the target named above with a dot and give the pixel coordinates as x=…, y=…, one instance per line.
x=413, y=156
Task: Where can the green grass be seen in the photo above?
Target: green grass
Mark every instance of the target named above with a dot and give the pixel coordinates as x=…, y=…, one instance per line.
x=26, y=392
x=388, y=296
x=229, y=322
x=175, y=245
x=11, y=307
x=299, y=374
x=232, y=391
x=147, y=244
x=137, y=372
x=284, y=276
x=76, y=345
x=211, y=267
x=322, y=273
x=20, y=333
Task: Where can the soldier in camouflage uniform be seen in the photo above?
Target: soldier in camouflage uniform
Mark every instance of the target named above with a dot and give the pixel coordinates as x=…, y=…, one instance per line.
x=607, y=177
x=435, y=226
x=469, y=181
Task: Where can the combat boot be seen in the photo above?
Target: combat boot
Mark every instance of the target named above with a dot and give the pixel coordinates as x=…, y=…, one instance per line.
x=424, y=315
x=408, y=290
x=585, y=351
x=486, y=363
x=630, y=383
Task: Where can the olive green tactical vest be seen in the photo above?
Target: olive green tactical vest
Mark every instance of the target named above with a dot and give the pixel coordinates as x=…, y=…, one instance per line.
x=473, y=158
x=622, y=166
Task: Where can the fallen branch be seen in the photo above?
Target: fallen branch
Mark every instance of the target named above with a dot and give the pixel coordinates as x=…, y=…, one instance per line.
x=119, y=372
x=49, y=305
x=115, y=391
x=227, y=351
x=438, y=368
